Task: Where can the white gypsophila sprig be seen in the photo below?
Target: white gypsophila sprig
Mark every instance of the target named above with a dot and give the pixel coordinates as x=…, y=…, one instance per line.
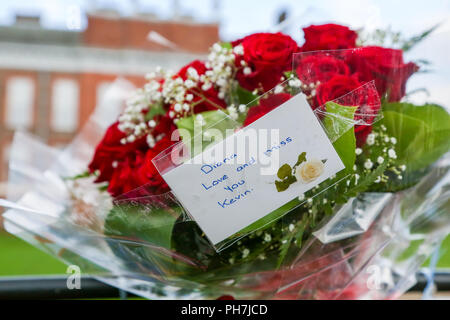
x=221, y=68
x=309, y=89
x=381, y=150
x=132, y=119
x=164, y=87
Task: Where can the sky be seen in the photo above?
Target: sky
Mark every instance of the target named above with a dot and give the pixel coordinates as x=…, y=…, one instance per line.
x=240, y=17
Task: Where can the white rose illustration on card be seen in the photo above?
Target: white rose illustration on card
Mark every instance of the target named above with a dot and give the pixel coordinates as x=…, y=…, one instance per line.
x=304, y=171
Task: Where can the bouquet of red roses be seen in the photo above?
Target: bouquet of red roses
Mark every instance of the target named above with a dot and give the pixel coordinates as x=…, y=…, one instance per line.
x=121, y=221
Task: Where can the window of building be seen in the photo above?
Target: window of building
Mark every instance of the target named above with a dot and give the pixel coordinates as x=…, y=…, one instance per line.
x=65, y=103
x=20, y=93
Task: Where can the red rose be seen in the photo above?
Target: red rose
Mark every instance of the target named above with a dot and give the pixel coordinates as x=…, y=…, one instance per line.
x=139, y=171
x=210, y=98
x=319, y=67
x=123, y=177
x=198, y=65
x=340, y=86
x=385, y=66
x=164, y=126
x=328, y=37
x=336, y=87
x=147, y=172
x=110, y=151
x=265, y=105
x=267, y=55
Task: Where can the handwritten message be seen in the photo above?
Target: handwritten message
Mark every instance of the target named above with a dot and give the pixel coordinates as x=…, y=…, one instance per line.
x=231, y=192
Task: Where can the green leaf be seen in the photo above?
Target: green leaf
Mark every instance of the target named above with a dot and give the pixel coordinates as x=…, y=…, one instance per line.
x=138, y=222
x=422, y=133
x=409, y=44
x=284, y=171
x=103, y=188
x=366, y=181
x=432, y=114
x=289, y=74
x=339, y=125
x=285, y=174
x=155, y=109
x=245, y=96
x=284, y=248
x=283, y=185
x=338, y=119
x=79, y=176
x=301, y=159
x=226, y=45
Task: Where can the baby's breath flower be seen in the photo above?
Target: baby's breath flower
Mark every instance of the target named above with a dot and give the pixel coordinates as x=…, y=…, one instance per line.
x=392, y=154
x=278, y=89
x=231, y=108
x=234, y=116
x=206, y=86
x=295, y=83
x=370, y=139
x=217, y=47
x=192, y=73
x=150, y=141
x=239, y=50
x=189, y=83
x=368, y=164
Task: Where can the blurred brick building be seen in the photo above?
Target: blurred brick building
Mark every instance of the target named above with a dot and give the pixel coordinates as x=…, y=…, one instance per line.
x=51, y=80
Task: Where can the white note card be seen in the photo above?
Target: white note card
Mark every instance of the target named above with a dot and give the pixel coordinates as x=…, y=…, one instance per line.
x=226, y=195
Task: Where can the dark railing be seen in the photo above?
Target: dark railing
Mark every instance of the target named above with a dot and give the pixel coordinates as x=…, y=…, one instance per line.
x=54, y=287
